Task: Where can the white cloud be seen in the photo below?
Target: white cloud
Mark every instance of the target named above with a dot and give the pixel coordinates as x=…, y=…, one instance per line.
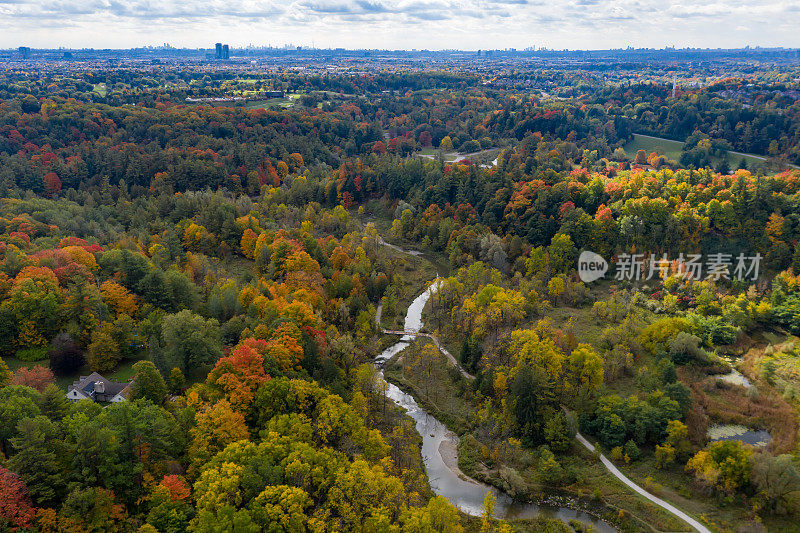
x=399, y=23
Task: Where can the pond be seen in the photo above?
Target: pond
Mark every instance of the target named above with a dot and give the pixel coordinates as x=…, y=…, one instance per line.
x=736, y=378
x=755, y=437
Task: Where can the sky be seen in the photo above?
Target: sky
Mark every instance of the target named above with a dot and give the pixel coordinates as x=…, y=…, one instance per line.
x=400, y=24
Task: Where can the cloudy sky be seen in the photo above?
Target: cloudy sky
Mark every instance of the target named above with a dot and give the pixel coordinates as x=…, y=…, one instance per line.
x=433, y=24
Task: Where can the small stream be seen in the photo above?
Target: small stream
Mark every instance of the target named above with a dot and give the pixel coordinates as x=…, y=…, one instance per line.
x=464, y=493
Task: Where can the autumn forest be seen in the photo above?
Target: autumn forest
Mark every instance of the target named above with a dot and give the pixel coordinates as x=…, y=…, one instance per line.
x=234, y=247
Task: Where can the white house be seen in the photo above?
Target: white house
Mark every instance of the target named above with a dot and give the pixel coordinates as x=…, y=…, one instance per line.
x=96, y=388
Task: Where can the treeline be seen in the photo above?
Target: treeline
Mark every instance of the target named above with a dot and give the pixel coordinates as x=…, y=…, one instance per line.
x=761, y=120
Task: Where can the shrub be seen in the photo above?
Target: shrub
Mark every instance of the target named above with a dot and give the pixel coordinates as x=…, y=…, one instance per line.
x=35, y=353
x=616, y=454
x=632, y=451
x=685, y=348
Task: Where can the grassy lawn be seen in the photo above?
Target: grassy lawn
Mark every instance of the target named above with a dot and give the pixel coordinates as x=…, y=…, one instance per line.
x=672, y=150
x=122, y=373
x=100, y=88
x=431, y=153
x=266, y=104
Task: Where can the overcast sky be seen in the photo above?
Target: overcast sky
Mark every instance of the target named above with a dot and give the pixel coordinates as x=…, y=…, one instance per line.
x=432, y=24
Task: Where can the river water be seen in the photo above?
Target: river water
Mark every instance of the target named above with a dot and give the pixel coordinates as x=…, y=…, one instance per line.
x=465, y=494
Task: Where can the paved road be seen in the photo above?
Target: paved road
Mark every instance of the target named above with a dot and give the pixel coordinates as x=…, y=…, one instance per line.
x=658, y=501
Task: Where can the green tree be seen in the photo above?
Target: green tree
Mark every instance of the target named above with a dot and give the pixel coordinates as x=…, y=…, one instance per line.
x=5, y=374
x=94, y=508
x=632, y=451
x=16, y=403
x=177, y=381
x=777, y=481
x=148, y=383
x=190, y=341
x=53, y=403
x=562, y=253
x=557, y=432
x=103, y=353
x=98, y=458
x=39, y=459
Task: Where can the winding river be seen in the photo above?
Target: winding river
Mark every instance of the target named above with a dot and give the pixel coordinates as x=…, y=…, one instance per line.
x=464, y=493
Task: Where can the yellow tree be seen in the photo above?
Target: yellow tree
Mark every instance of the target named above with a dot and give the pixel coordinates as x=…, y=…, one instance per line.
x=585, y=374
x=121, y=301
x=216, y=426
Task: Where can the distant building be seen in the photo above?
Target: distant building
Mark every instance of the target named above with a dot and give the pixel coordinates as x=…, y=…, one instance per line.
x=24, y=52
x=221, y=51
x=96, y=388
x=275, y=94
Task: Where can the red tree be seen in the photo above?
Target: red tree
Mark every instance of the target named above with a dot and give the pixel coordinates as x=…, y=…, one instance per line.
x=37, y=377
x=52, y=184
x=15, y=505
x=177, y=487
x=425, y=138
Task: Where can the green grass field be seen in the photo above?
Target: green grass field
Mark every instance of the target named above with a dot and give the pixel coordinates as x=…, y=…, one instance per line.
x=432, y=153
x=266, y=104
x=665, y=147
x=122, y=373
x=672, y=150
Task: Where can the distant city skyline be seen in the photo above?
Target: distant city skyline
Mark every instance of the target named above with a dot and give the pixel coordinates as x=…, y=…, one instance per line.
x=401, y=24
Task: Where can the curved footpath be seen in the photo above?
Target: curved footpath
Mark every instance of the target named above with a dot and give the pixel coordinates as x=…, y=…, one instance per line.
x=656, y=500
x=588, y=445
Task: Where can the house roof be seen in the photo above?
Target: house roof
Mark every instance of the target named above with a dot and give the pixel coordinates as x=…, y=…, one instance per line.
x=87, y=384
x=113, y=388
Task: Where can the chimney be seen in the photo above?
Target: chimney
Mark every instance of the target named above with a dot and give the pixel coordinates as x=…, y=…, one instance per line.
x=100, y=387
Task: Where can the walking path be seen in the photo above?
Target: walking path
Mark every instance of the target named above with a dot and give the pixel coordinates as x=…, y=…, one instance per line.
x=431, y=337
x=436, y=342
x=589, y=446
x=656, y=500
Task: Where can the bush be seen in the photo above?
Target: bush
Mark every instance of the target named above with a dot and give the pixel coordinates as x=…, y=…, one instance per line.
x=550, y=470
x=632, y=451
x=512, y=482
x=616, y=454
x=685, y=348
x=37, y=353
